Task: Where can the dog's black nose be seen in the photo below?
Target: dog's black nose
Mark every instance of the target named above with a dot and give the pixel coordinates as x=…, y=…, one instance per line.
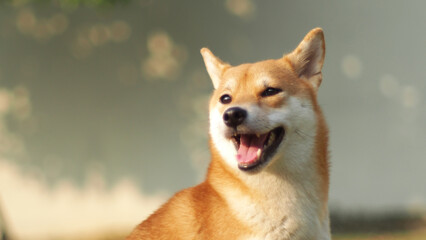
x=234, y=116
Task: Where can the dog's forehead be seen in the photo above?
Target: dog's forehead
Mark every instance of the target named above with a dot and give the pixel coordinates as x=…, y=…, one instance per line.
x=262, y=73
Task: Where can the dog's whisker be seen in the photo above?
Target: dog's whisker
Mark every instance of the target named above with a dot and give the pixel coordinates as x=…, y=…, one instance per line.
x=303, y=134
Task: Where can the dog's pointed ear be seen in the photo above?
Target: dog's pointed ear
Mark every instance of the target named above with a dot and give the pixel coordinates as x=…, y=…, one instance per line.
x=215, y=66
x=307, y=59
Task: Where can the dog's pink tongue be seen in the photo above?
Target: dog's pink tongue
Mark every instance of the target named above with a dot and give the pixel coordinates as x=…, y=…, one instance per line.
x=249, y=145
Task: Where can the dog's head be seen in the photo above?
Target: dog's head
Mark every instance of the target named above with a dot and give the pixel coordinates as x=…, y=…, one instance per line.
x=264, y=111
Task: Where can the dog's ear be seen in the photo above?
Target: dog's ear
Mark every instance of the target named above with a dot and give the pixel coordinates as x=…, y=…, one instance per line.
x=307, y=59
x=215, y=66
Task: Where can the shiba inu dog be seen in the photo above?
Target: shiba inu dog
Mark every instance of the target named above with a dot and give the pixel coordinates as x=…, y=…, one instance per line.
x=268, y=177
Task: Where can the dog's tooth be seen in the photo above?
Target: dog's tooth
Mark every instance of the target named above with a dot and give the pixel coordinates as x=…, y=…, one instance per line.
x=259, y=151
x=271, y=138
x=257, y=135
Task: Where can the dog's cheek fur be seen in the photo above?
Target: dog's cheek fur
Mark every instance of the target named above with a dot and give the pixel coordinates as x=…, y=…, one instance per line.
x=224, y=146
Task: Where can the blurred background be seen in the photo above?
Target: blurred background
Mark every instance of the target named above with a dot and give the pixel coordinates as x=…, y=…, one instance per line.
x=103, y=107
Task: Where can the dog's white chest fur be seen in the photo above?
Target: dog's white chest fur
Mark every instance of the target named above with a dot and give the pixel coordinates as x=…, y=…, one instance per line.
x=285, y=211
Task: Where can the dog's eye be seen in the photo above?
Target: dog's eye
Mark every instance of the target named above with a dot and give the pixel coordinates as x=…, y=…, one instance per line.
x=225, y=99
x=270, y=91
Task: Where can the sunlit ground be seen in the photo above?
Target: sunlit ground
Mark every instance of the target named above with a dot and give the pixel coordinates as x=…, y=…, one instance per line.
x=65, y=211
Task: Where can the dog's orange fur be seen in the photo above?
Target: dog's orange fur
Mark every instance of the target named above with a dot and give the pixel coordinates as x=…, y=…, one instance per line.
x=203, y=211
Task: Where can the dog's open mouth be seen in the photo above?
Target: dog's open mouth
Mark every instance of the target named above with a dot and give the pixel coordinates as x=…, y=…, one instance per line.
x=256, y=149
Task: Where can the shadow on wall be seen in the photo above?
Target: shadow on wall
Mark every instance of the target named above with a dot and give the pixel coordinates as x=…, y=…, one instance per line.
x=376, y=223
x=3, y=228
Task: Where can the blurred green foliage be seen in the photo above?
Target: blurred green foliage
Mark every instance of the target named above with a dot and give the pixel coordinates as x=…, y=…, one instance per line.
x=68, y=3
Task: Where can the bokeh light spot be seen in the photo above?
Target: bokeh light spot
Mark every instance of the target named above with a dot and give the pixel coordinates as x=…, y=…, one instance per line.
x=165, y=58
x=244, y=9
x=81, y=47
x=160, y=44
x=41, y=29
x=351, y=66
x=26, y=21
x=161, y=67
x=120, y=31
x=99, y=34
x=410, y=97
x=5, y=101
x=58, y=23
